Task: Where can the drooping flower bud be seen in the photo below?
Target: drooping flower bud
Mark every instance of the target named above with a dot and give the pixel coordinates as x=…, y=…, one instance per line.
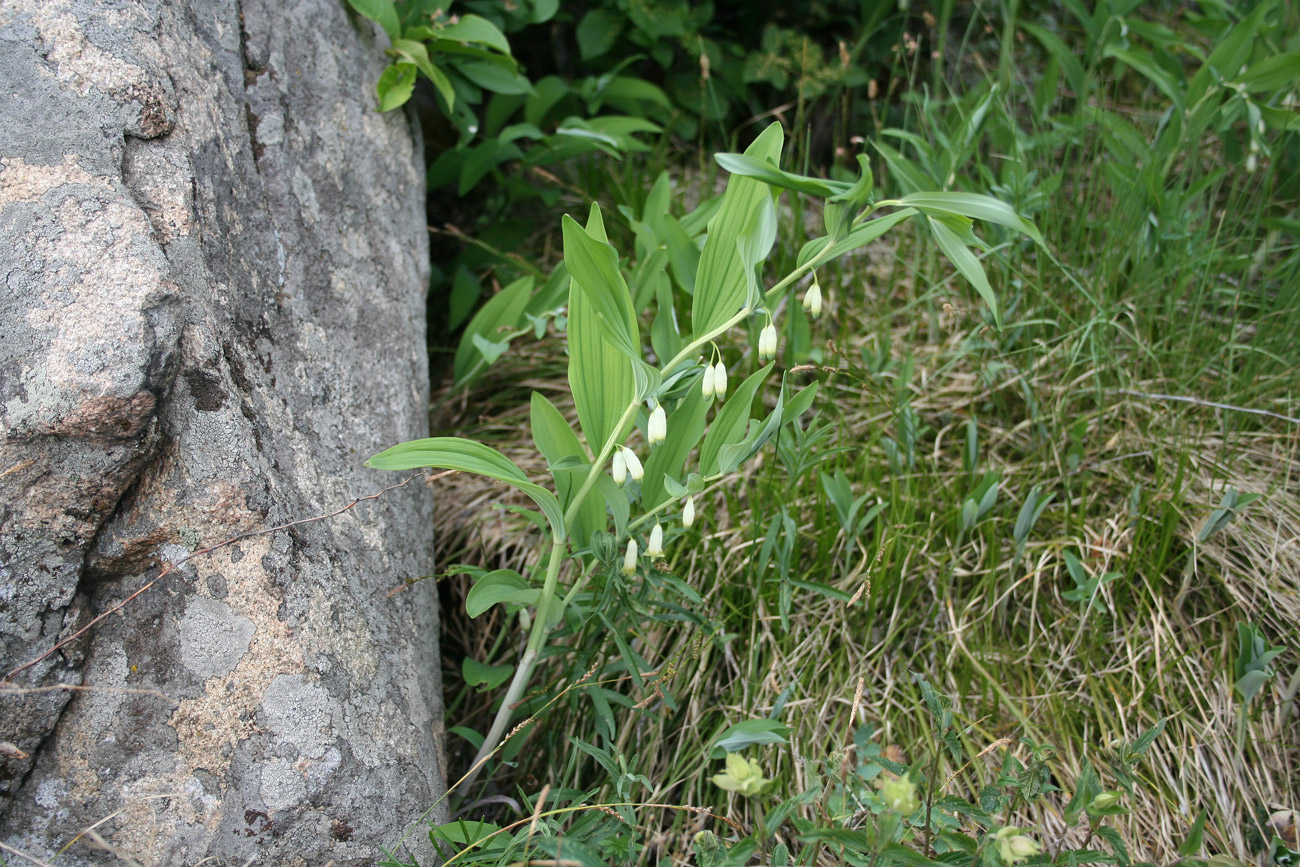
x=629, y=559
x=812, y=300
x=1014, y=846
x=688, y=512
x=657, y=428
x=899, y=795
x=634, y=468
x=767, y=343
x=656, y=546
x=706, y=384
x=620, y=468
x=720, y=380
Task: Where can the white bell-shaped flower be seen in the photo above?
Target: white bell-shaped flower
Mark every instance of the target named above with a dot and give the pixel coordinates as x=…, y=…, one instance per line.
x=634, y=468
x=656, y=546
x=706, y=384
x=720, y=380
x=688, y=512
x=629, y=558
x=620, y=468
x=657, y=428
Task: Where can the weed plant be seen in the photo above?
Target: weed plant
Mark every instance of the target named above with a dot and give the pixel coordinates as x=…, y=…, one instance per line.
x=1043, y=574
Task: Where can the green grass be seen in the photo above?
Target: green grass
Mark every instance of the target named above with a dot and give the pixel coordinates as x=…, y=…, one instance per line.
x=1100, y=391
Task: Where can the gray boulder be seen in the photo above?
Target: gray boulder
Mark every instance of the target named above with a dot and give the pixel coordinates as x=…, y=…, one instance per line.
x=213, y=260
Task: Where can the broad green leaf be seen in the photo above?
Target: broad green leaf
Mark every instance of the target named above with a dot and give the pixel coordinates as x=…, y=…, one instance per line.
x=486, y=676
x=750, y=732
x=382, y=12
x=1142, y=63
x=720, y=281
x=502, y=585
x=491, y=76
x=395, y=86
x=616, y=498
x=472, y=28
x=417, y=53
x=685, y=427
x=975, y=207
x=483, y=159
x=598, y=31
x=753, y=245
x=601, y=376
x=551, y=433
x=799, y=404
x=588, y=517
x=860, y=192
x=753, y=167
x=500, y=315
x=965, y=262
x=730, y=423
x=859, y=237
x=732, y=455
x=454, y=453
x=1273, y=73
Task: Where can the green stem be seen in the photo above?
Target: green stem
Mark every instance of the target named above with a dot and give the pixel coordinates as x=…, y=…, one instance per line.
x=524, y=671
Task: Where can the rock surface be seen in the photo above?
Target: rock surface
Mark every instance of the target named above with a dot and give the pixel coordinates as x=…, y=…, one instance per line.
x=213, y=257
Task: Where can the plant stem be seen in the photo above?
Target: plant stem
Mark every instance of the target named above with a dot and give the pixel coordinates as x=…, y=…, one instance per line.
x=524, y=672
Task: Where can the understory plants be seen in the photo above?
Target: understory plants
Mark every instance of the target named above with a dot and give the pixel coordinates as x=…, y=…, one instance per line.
x=665, y=392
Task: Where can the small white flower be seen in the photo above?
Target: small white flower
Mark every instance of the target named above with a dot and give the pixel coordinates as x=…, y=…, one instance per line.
x=657, y=429
x=688, y=512
x=720, y=380
x=620, y=468
x=629, y=559
x=706, y=384
x=767, y=343
x=812, y=300
x=634, y=468
x=656, y=546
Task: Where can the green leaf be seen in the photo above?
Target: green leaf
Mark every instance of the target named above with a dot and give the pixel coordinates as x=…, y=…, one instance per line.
x=973, y=206
x=597, y=32
x=483, y=159
x=381, y=11
x=860, y=192
x=685, y=427
x=748, y=733
x=601, y=376
x=500, y=315
x=417, y=53
x=754, y=167
x=720, y=280
x=454, y=453
x=965, y=262
x=503, y=585
x=486, y=676
x=395, y=86
x=1195, y=840
x=859, y=237
x=551, y=433
x=472, y=28
x=593, y=265
x=730, y=423
x=493, y=77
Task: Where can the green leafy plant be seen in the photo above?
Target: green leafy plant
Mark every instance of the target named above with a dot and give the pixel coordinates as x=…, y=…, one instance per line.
x=597, y=476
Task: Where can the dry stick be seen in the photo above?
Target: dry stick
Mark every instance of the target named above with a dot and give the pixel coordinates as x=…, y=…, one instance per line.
x=1201, y=402
x=172, y=567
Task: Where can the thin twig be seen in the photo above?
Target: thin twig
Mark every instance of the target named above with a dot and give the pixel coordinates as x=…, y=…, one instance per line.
x=172, y=567
x=1201, y=402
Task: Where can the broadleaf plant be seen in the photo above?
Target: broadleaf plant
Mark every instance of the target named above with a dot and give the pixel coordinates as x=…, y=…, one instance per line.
x=603, y=470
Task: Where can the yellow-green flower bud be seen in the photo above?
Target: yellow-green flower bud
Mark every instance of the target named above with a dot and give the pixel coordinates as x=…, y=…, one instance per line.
x=1105, y=801
x=899, y=795
x=743, y=776
x=1014, y=847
